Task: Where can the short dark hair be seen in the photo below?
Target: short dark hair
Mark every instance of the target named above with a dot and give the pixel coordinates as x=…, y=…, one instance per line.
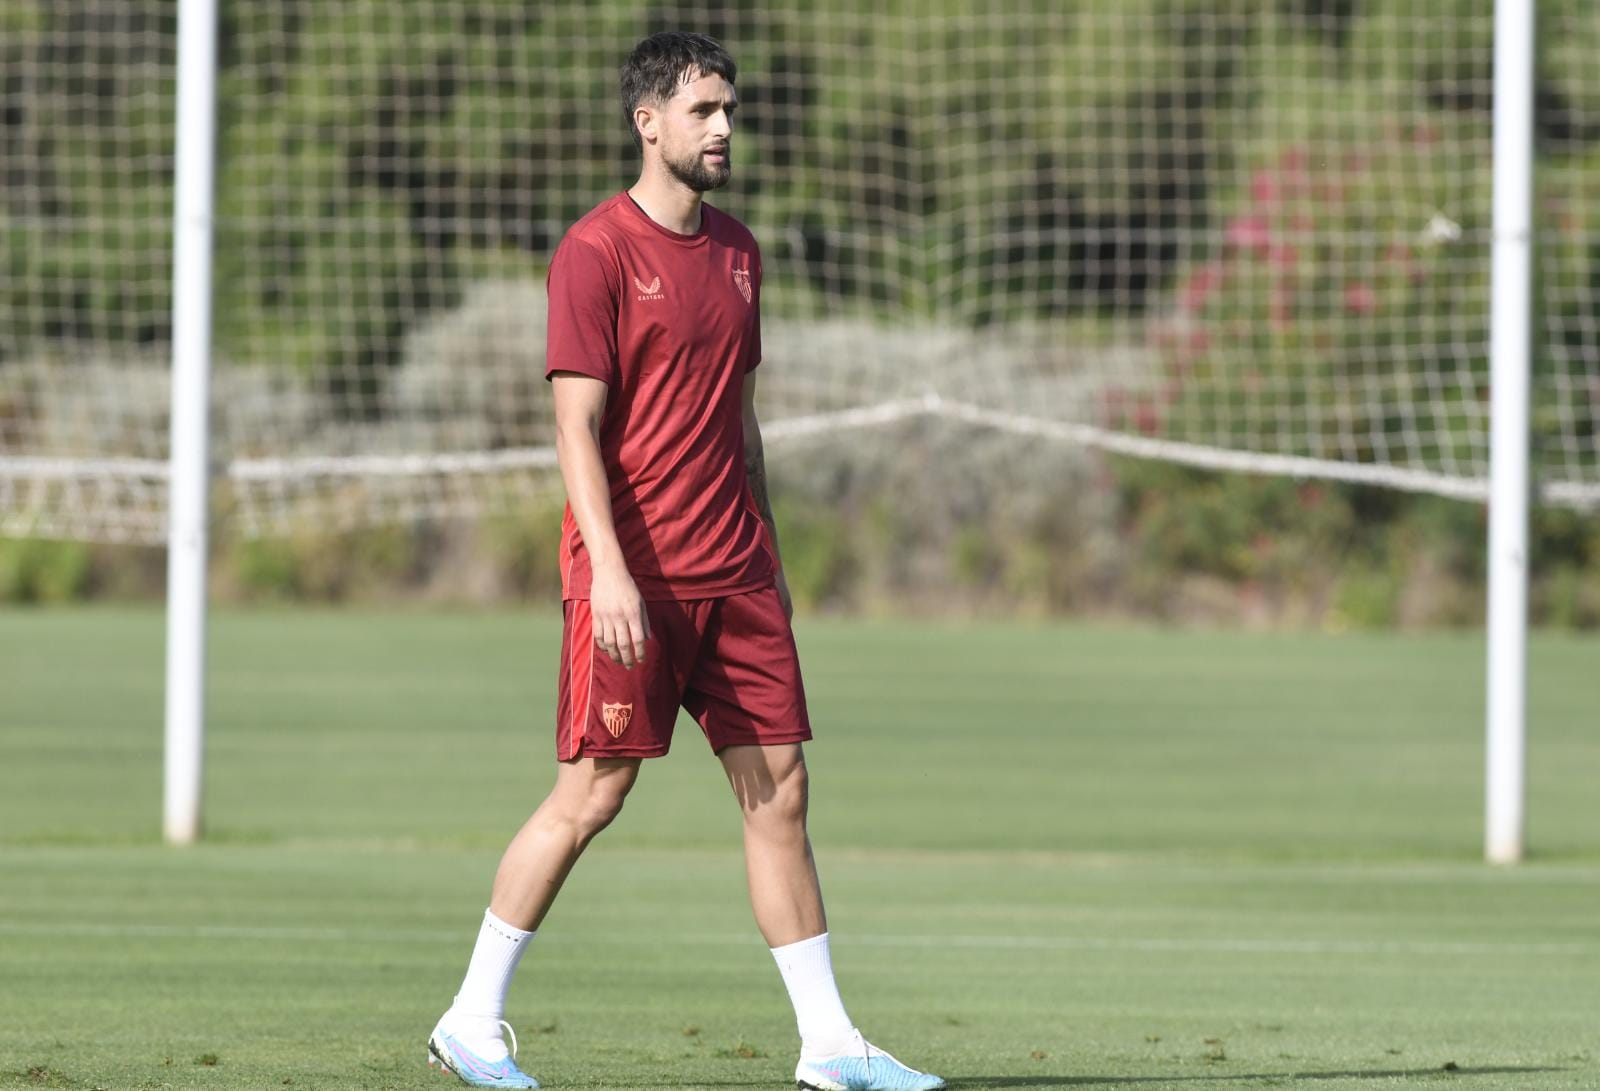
x=659, y=64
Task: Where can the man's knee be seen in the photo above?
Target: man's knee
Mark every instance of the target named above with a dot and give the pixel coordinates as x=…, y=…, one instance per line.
x=794, y=792
x=590, y=799
x=604, y=803
x=781, y=797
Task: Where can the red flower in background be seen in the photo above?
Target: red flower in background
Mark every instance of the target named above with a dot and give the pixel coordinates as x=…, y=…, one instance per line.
x=1264, y=187
x=1202, y=285
x=1293, y=172
x=1145, y=417
x=1113, y=406
x=1359, y=298
x=1249, y=233
x=1400, y=254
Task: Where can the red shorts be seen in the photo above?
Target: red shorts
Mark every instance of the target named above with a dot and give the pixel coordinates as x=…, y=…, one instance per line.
x=731, y=662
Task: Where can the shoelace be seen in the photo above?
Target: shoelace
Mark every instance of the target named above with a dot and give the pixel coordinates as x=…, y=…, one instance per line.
x=868, y=1050
x=511, y=1031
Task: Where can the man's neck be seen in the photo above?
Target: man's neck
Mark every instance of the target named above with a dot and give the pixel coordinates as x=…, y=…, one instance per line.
x=668, y=202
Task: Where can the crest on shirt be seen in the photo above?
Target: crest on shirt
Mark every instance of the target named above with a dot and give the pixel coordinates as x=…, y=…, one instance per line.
x=616, y=717
x=651, y=290
x=741, y=280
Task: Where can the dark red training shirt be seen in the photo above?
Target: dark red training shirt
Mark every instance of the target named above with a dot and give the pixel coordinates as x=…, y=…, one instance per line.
x=670, y=322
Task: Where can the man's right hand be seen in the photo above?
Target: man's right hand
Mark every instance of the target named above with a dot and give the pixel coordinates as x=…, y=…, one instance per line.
x=621, y=625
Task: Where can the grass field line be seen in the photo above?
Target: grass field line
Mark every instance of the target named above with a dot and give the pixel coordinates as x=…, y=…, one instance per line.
x=1223, y=945
x=1124, y=865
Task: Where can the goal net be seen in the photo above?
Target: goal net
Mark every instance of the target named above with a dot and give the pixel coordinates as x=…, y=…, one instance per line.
x=1249, y=234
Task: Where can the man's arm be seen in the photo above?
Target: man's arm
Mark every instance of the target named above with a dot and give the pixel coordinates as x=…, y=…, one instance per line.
x=621, y=625
x=755, y=470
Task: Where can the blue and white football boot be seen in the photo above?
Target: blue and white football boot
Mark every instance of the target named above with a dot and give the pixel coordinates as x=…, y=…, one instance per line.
x=864, y=1067
x=446, y=1049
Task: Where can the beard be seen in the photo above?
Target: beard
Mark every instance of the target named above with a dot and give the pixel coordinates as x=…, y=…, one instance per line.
x=693, y=171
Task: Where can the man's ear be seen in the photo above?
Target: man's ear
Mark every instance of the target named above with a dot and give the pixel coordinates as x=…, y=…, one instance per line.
x=644, y=118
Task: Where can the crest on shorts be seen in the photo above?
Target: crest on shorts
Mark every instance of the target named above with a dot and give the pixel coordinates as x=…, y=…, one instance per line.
x=616, y=717
x=741, y=280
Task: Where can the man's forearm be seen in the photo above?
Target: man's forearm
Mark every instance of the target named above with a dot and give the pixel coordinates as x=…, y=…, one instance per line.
x=583, y=472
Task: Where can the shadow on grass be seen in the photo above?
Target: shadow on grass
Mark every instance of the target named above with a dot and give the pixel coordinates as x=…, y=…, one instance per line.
x=1284, y=1078
x=1280, y=1077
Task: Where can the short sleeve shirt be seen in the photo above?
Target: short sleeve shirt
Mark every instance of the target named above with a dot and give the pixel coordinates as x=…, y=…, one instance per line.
x=670, y=323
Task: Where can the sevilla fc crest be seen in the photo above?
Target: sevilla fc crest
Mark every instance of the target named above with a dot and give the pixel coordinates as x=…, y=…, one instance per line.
x=616, y=717
x=741, y=279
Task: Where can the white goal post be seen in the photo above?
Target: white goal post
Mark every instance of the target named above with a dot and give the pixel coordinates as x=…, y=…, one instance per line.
x=1511, y=348
x=190, y=477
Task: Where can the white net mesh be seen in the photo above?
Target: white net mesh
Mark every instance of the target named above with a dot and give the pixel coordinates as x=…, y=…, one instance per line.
x=1236, y=233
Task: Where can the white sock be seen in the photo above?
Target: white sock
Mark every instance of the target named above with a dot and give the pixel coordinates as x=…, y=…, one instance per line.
x=482, y=996
x=807, y=968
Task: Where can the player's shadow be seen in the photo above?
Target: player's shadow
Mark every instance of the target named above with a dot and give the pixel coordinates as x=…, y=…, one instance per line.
x=1282, y=1078
x=1230, y=1077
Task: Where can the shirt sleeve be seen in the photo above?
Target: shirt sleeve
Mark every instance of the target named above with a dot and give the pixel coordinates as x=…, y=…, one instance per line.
x=582, y=332
x=754, y=353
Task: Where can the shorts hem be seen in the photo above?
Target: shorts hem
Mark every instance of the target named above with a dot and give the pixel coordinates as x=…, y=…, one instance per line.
x=774, y=740
x=615, y=752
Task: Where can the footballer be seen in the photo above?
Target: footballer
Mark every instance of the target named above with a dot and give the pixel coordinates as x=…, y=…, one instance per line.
x=673, y=589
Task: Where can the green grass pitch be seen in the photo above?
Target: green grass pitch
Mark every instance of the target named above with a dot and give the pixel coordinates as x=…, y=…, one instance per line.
x=1055, y=856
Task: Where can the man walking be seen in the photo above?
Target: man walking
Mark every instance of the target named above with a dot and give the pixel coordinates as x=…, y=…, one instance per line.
x=674, y=591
